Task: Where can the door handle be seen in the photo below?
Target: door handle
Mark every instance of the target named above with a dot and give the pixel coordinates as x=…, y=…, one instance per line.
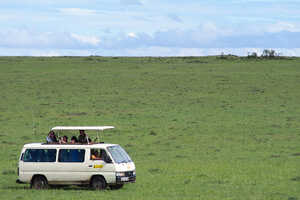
x=90, y=166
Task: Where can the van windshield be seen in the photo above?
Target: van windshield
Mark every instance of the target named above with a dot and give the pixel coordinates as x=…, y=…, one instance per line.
x=119, y=154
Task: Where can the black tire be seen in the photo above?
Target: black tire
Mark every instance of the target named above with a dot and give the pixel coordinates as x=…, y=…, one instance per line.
x=116, y=187
x=39, y=183
x=98, y=183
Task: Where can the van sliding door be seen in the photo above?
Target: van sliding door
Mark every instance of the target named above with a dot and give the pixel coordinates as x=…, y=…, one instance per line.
x=70, y=165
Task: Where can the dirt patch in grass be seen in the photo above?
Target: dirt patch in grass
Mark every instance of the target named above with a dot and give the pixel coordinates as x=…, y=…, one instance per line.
x=275, y=156
x=154, y=170
x=77, y=114
x=156, y=142
x=292, y=198
x=197, y=61
x=202, y=176
x=255, y=90
x=296, y=178
x=295, y=154
x=25, y=138
x=128, y=145
x=6, y=142
x=44, y=104
x=151, y=154
x=8, y=172
x=153, y=133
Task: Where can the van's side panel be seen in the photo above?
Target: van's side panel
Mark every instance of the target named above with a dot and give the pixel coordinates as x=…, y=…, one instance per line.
x=32, y=168
x=28, y=169
x=69, y=171
x=63, y=172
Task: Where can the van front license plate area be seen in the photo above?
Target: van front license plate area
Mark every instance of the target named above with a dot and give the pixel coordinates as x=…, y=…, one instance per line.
x=124, y=178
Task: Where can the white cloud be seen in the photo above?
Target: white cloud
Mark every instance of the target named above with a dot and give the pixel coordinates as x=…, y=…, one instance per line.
x=43, y=52
x=132, y=35
x=208, y=39
x=175, y=17
x=77, y=11
x=131, y=2
x=91, y=40
x=50, y=53
x=283, y=26
x=198, y=37
x=16, y=38
x=209, y=27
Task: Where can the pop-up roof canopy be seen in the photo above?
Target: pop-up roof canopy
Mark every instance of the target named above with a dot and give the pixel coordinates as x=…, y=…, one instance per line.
x=77, y=128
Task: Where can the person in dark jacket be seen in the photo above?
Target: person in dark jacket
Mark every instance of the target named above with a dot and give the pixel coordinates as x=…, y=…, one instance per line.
x=82, y=138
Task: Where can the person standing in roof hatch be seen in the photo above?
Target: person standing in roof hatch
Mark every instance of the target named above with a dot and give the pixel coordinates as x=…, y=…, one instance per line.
x=51, y=138
x=82, y=138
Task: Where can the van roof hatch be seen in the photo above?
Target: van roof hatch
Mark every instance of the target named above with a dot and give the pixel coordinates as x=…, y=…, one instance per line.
x=76, y=128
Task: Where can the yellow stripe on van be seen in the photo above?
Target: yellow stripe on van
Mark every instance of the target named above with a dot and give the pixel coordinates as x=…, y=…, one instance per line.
x=98, y=166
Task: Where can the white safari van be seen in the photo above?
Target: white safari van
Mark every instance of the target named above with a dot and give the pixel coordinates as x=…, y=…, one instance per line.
x=96, y=165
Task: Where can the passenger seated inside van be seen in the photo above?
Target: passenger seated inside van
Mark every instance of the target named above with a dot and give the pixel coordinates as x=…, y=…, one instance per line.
x=95, y=155
x=74, y=140
x=64, y=140
x=51, y=138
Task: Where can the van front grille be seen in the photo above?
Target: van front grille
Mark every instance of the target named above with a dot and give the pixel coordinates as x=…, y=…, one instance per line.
x=129, y=173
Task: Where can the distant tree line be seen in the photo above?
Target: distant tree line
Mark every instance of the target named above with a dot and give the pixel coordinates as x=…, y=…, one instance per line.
x=267, y=53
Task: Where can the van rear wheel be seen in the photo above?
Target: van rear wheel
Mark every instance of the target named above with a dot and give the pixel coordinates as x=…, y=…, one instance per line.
x=98, y=183
x=39, y=183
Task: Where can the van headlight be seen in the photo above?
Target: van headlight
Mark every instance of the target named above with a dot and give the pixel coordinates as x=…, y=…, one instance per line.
x=133, y=173
x=120, y=173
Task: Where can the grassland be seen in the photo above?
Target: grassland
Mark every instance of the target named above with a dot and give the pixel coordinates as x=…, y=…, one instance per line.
x=196, y=127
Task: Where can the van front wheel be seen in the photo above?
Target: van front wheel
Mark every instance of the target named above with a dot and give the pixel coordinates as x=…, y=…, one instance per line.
x=39, y=183
x=98, y=183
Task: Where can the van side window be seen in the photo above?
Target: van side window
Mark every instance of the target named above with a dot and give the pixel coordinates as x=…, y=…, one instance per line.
x=96, y=154
x=39, y=155
x=71, y=155
x=100, y=154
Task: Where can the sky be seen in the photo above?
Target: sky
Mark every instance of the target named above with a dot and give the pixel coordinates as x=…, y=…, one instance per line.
x=148, y=27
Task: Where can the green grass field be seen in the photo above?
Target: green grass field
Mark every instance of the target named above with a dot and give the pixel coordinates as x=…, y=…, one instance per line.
x=196, y=127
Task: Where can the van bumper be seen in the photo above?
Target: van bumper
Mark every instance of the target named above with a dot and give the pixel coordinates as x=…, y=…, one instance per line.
x=129, y=177
x=124, y=179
